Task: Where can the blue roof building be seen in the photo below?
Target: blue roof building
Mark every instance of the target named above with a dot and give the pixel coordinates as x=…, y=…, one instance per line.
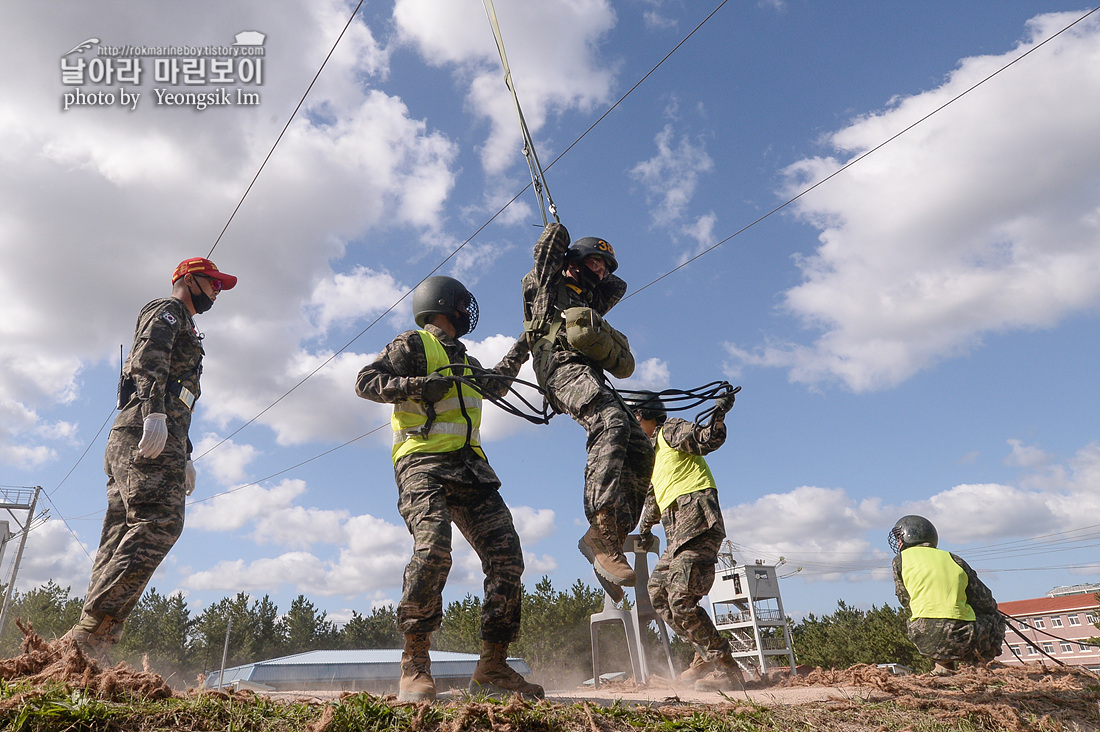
x=376, y=670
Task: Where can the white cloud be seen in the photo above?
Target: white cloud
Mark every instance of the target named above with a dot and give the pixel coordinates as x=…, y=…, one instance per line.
x=52, y=553
x=231, y=511
x=226, y=465
x=1026, y=455
x=964, y=225
x=299, y=527
x=556, y=70
x=372, y=560
x=670, y=176
x=353, y=297
x=353, y=161
x=834, y=537
x=533, y=524
x=652, y=374
x=821, y=530
x=496, y=424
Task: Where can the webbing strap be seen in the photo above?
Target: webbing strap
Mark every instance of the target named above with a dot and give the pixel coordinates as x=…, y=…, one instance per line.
x=538, y=178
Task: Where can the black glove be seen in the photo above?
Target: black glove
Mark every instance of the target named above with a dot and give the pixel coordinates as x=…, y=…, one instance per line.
x=722, y=405
x=645, y=539
x=434, y=387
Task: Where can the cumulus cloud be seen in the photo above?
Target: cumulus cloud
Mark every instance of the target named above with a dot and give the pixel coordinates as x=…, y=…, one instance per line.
x=495, y=422
x=231, y=511
x=821, y=530
x=549, y=77
x=652, y=374
x=52, y=553
x=155, y=179
x=831, y=536
x=942, y=236
x=355, y=296
x=533, y=525
x=373, y=555
x=226, y=465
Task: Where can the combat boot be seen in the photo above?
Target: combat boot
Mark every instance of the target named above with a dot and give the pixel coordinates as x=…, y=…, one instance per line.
x=600, y=545
x=95, y=636
x=698, y=669
x=493, y=676
x=726, y=676
x=416, y=683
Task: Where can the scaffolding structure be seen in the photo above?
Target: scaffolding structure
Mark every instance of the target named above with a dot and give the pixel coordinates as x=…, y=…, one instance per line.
x=15, y=501
x=745, y=602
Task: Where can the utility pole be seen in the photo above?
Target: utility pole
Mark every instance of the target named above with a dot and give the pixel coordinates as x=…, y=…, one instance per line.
x=17, y=499
x=225, y=652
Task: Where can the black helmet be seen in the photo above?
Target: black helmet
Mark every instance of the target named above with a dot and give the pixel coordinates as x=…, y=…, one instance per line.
x=590, y=245
x=912, y=531
x=648, y=405
x=444, y=296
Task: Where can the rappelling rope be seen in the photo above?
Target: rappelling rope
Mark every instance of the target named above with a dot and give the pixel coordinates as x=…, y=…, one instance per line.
x=475, y=376
x=538, y=178
x=478, y=375
x=694, y=397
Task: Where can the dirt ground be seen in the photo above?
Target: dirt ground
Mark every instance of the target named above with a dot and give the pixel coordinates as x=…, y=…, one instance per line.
x=1034, y=697
x=660, y=692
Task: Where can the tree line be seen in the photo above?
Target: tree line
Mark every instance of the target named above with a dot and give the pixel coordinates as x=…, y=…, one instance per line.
x=554, y=636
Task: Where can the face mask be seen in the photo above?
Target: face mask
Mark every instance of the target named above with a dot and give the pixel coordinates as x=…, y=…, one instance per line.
x=201, y=302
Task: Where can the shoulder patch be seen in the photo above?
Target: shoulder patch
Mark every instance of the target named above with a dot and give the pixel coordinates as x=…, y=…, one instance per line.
x=169, y=318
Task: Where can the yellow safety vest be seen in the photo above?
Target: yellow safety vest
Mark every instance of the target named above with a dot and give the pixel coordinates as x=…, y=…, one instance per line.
x=677, y=473
x=935, y=583
x=457, y=415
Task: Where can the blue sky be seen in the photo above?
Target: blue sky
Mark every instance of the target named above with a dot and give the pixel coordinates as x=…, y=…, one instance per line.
x=918, y=334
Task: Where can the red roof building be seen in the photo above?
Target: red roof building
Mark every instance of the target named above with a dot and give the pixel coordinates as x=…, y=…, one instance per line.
x=1058, y=626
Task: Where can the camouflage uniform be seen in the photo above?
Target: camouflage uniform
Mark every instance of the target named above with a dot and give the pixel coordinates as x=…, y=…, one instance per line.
x=947, y=639
x=435, y=489
x=694, y=530
x=145, y=497
x=620, y=458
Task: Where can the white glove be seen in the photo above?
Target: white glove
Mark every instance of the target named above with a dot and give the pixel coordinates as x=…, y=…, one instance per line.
x=189, y=477
x=153, y=436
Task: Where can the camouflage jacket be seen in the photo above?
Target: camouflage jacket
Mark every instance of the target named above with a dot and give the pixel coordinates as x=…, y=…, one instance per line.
x=167, y=351
x=689, y=437
x=397, y=375
x=544, y=297
x=978, y=596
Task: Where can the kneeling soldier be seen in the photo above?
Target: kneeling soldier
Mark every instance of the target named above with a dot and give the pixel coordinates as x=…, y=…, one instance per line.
x=952, y=614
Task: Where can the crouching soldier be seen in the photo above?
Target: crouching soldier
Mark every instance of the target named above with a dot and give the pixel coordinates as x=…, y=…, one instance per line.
x=684, y=498
x=952, y=614
x=443, y=477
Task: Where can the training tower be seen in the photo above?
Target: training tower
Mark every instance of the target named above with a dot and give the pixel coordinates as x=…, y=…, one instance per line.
x=745, y=603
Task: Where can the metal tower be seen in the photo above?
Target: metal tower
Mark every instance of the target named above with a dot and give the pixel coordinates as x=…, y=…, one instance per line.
x=745, y=602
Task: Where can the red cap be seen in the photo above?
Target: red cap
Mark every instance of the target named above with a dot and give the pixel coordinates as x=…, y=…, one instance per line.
x=198, y=265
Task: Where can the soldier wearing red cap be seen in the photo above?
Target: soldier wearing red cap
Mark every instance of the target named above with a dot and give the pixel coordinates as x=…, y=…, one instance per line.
x=148, y=460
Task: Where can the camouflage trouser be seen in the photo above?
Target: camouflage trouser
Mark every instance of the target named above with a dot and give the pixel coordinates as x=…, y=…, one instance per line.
x=620, y=455
x=429, y=503
x=145, y=512
x=947, y=639
x=685, y=572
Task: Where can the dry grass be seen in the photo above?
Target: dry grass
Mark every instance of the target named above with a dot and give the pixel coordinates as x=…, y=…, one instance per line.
x=54, y=686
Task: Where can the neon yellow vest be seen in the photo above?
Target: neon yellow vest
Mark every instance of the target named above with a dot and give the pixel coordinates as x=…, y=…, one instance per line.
x=457, y=415
x=935, y=583
x=677, y=473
